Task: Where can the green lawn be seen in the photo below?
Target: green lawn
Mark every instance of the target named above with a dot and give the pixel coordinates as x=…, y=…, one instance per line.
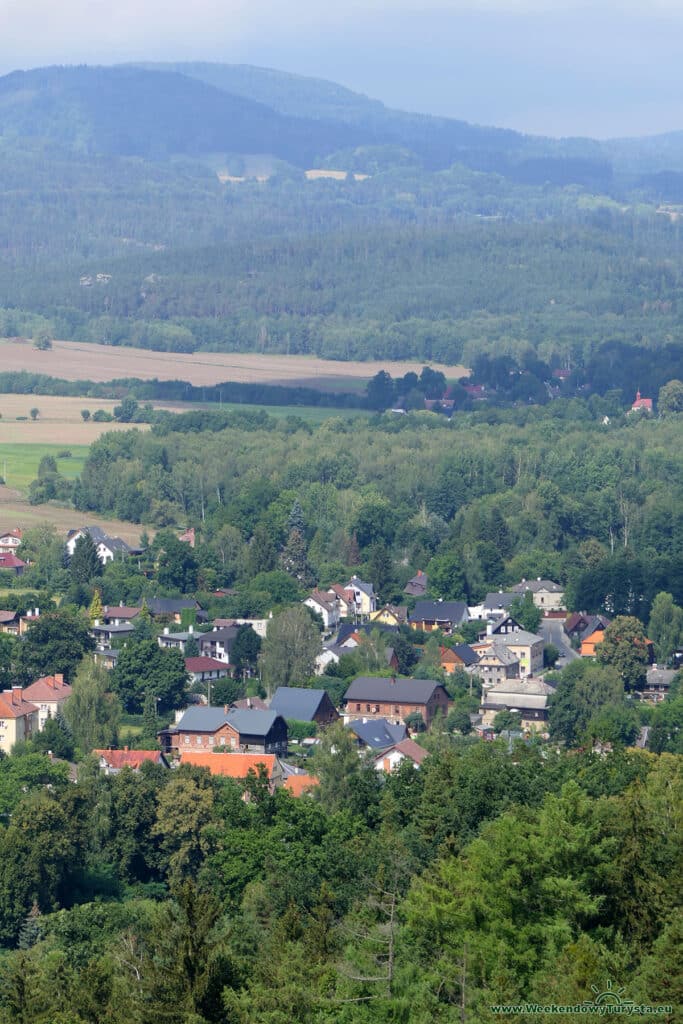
x=19, y=462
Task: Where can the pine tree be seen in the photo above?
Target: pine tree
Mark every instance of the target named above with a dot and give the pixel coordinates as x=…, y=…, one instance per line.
x=84, y=563
x=31, y=930
x=150, y=724
x=296, y=518
x=294, y=559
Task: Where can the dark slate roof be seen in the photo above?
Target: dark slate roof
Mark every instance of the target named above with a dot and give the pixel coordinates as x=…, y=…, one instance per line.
x=170, y=605
x=466, y=654
x=439, y=611
x=253, y=722
x=378, y=734
x=297, y=702
x=249, y=722
x=500, y=599
x=226, y=636
x=347, y=628
x=202, y=719
x=398, y=689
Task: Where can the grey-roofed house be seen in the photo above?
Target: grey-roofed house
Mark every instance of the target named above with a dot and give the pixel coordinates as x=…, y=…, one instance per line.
x=176, y=641
x=495, y=664
x=218, y=643
x=108, y=548
x=528, y=648
x=417, y=586
x=377, y=733
x=498, y=603
x=527, y=696
x=445, y=615
x=245, y=730
x=304, y=705
x=364, y=596
x=108, y=636
x=547, y=595
x=394, y=698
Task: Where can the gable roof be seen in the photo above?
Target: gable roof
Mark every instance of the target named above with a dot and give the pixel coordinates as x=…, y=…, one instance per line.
x=232, y=765
x=10, y=561
x=439, y=611
x=519, y=638
x=13, y=705
x=254, y=721
x=417, y=586
x=537, y=585
x=130, y=758
x=409, y=748
x=297, y=702
x=203, y=664
x=359, y=584
x=323, y=600
x=464, y=652
x=347, y=628
x=120, y=611
x=226, y=636
x=529, y=685
x=200, y=718
x=502, y=655
x=48, y=689
x=8, y=616
x=398, y=690
x=378, y=733
x=499, y=599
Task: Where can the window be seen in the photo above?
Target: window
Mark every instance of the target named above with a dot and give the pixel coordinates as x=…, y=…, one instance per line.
x=357, y=707
x=198, y=740
x=210, y=741
x=187, y=739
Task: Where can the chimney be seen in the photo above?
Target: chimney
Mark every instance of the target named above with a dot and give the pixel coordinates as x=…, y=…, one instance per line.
x=191, y=629
x=59, y=678
x=393, y=681
x=166, y=630
x=96, y=622
x=225, y=709
x=249, y=701
x=125, y=749
x=36, y=612
x=120, y=604
x=16, y=693
x=489, y=629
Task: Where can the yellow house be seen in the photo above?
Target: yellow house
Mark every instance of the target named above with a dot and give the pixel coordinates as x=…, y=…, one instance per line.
x=18, y=718
x=390, y=615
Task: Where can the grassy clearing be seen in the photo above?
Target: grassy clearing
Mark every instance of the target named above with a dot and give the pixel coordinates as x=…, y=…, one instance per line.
x=19, y=462
x=312, y=414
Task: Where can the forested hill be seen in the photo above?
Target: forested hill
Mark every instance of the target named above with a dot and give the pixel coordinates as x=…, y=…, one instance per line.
x=133, y=111
x=128, y=111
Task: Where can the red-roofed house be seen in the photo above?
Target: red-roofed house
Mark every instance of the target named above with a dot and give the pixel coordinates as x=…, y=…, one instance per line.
x=641, y=404
x=49, y=694
x=389, y=760
x=235, y=766
x=201, y=669
x=9, y=622
x=119, y=614
x=11, y=563
x=300, y=785
x=18, y=718
x=114, y=761
x=10, y=540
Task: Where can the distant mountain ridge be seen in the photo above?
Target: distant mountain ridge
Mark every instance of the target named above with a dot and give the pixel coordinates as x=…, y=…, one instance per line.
x=155, y=111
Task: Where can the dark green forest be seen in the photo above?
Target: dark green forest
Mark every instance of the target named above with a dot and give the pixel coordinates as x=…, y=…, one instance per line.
x=426, y=259
x=484, y=499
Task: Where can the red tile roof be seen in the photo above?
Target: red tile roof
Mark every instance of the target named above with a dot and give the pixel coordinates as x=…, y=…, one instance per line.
x=129, y=758
x=8, y=616
x=13, y=705
x=10, y=561
x=298, y=785
x=48, y=688
x=234, y=766
x=202, y=664
x=120, y=611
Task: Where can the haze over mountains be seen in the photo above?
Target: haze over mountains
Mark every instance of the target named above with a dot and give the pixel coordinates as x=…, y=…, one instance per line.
x=160, y=110
x=168, y=207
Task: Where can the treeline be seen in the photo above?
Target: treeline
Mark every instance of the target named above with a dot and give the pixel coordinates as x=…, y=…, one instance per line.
x=373, y=901
x=407, y=264
x=484, y=499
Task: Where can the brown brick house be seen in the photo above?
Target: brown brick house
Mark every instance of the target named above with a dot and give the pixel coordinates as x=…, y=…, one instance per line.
x=245, y=730
x=394, y=698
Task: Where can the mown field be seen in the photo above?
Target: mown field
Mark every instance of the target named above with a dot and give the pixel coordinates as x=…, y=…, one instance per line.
x=71, y=360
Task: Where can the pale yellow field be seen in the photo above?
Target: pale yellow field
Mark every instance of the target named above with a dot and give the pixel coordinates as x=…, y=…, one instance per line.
x=73, y=360
x=16, y=511
x=59, y=420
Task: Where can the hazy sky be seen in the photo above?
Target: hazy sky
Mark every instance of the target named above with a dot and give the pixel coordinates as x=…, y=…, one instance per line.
x=557, y=67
